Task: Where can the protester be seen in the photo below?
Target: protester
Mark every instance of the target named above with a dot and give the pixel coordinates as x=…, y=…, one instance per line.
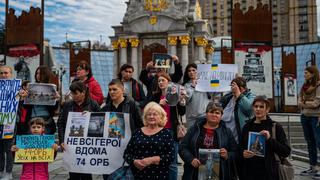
x=42, y=75
x=196, y=101
x=149, y=79
x=257, y=167
x=84, y=74
x=208, y=132
x=309, y=102
x=22, y=124
x=81, y=102
x=132, y=87
x=173, y=113
x=119, y=102
x=6, y=158
x=150, y=150
x=237, y=109
x=6, y=72
x=35, y=170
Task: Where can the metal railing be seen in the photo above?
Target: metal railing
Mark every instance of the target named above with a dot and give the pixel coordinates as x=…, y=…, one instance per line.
x=286, y=117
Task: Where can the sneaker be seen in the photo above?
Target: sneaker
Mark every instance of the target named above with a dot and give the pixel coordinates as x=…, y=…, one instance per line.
x=8, y=176
x=309, y=172
x=316, y=176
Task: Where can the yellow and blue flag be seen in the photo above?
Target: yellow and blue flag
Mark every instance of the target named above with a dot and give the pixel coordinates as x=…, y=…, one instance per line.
x=214, y=83
x=214, y=66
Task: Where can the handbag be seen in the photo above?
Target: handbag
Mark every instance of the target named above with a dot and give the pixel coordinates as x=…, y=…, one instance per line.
x=181, y=129
x=285, y=167
x=122, y=173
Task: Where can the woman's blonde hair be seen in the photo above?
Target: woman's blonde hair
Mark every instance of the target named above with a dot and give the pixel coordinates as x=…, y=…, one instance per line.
x=158, y=109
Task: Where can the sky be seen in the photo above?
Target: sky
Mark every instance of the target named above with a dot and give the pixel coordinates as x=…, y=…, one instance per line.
x=80, y=19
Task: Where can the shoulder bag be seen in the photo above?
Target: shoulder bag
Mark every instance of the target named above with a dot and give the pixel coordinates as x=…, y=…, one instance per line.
x=285, y=167
x=122, y=173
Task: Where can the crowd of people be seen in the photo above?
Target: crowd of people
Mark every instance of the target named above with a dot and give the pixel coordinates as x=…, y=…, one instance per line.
x=152, y=152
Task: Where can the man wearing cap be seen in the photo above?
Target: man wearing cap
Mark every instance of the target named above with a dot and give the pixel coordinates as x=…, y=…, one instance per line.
x=237, y=109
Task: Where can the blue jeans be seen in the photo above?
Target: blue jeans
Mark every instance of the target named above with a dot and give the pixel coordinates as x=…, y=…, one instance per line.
x=312, y=136
x=173, y=168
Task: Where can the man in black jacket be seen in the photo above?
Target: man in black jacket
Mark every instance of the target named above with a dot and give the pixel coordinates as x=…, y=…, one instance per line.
x=119, y=102
x=132, y=87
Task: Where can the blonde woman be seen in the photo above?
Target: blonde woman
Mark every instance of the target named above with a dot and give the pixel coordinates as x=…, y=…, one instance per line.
x=150, y=150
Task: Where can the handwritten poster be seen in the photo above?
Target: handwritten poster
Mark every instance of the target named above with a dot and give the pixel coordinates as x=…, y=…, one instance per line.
x=34, y=148
x=215, y=77
x=9, y=101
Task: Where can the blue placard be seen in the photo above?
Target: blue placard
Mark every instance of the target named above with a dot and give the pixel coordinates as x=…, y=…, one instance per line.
x=35, y=141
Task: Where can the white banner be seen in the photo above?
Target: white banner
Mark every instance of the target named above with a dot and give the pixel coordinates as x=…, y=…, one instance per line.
x=290, y=91
x=95, y=142
x=215, y=77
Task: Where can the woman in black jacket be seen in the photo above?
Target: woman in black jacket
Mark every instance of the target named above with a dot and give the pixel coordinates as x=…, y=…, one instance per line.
x=208, y=133
x=257, y=167
x=81, y=102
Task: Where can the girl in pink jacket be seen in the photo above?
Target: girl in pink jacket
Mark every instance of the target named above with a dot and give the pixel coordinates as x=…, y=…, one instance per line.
x=35, y=170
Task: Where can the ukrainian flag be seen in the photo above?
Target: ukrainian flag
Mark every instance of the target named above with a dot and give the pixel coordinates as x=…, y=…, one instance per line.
x=214, y=83
x=214, y=66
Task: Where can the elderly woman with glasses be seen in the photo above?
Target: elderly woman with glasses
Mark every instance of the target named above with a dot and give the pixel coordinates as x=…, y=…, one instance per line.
x=208, y=133
x=150, y=150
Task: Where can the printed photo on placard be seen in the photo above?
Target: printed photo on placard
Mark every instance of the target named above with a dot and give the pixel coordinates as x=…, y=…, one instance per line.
x=77, y=127
x=257, y=143
x=41, y=94
x=96, y=125
x=161, y=60
x=210, y=164
x=116, y=125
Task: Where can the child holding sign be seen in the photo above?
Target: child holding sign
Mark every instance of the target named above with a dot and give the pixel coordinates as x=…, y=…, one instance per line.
x=35, y=170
